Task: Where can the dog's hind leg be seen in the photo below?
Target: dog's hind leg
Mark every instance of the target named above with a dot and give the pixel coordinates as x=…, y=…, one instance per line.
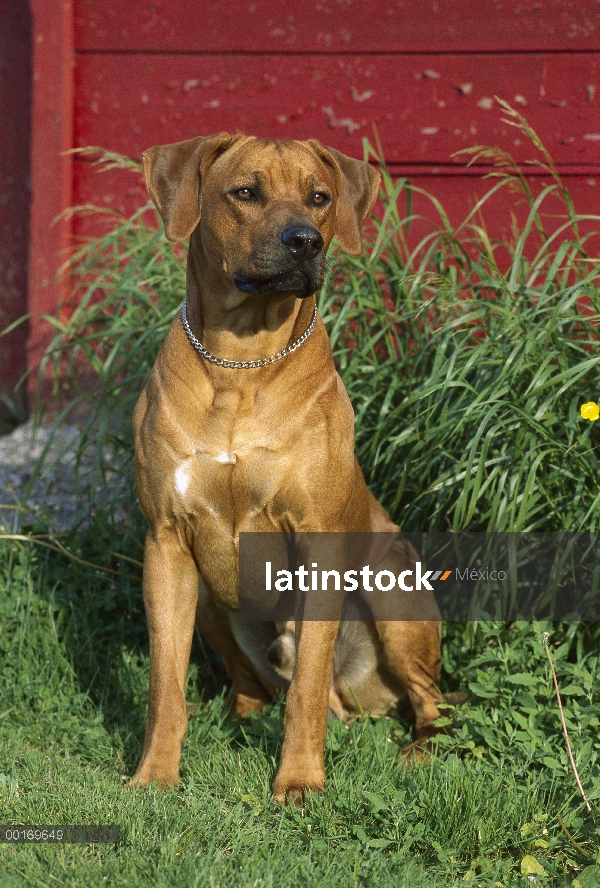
x=248, y=693
x=411, y=651
x=410, y=632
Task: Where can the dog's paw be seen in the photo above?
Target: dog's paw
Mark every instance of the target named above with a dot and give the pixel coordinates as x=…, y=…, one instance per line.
x=420, y=751
x=293, y=790
x=456, y=698
x=295, y=794
x=193, y=709
x=242, y=705
x=159, y=783
x=416, y=753
x=146, y=776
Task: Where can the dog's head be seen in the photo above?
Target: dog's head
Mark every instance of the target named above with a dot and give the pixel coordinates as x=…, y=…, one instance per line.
x=264, y=209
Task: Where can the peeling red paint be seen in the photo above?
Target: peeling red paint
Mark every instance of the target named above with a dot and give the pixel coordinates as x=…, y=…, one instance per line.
x=313, y=26
x=340, y=98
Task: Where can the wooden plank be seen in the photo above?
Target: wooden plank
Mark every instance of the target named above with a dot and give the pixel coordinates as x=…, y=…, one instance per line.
x=336, y=26
x=124, y=192
x=51, y=169
x=425, y=107
x=15, y=110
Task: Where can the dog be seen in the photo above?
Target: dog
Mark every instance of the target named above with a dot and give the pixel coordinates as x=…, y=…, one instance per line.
x=245, y=425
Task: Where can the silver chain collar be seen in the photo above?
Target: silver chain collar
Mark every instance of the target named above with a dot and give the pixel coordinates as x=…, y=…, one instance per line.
x=245, y=365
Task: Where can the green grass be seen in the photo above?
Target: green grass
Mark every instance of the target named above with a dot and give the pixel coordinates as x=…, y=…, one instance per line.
x=466, y=361
x=73, y=692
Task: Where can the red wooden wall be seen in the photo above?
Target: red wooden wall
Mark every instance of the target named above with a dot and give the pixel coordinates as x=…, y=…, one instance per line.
x=15, y=112
x=423, y=71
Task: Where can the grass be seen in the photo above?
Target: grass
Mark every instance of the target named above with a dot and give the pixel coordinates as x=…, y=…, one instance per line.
x=74, y=680
x=466, y=361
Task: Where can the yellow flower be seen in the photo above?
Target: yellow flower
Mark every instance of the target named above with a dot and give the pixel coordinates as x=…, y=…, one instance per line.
x=590, y=411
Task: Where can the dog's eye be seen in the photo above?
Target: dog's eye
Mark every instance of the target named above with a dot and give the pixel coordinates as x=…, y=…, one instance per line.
x=243, y=194
x=320, y=198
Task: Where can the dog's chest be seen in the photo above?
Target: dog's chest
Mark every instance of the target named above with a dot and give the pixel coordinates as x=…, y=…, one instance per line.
x=224, y=482
x=235, y=462
x=222, y=489
x=234, y=467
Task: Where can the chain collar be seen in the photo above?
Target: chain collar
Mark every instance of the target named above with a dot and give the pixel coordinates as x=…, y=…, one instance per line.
x=245, y=365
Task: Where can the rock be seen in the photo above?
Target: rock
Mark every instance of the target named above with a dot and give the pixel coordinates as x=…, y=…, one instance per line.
x=63, y=493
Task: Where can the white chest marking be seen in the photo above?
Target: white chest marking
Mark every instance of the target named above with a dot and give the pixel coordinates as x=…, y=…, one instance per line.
x=226, y=458
x=182, y=479
x=182, y=474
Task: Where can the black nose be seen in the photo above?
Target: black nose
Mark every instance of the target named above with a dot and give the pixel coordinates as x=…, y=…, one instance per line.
x=275, y=653
x=303, y=241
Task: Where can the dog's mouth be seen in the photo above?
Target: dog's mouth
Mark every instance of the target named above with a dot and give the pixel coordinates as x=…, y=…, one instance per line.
x=291, y=282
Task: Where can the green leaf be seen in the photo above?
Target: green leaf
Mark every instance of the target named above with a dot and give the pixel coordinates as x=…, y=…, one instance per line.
x=520, y=719
x=527, y=701
x=482, y=690
x=531, y=867
x=524, y=678
x=552, y=763
x=378, y=803
x=360, y=834
x=378, y=843
x=588, y=878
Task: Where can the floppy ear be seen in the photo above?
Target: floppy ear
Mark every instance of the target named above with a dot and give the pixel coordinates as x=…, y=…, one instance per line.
x=357, y=187
x=173, y=177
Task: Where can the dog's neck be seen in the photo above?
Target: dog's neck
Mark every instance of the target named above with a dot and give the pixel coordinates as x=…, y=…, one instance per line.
x=236, y=326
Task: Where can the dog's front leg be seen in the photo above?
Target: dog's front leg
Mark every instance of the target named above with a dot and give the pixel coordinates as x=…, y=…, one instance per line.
x=170, y=597
x=318, y=613
x=302, y=766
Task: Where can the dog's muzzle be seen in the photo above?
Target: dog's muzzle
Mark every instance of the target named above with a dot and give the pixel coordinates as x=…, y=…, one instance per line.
x=302, y=275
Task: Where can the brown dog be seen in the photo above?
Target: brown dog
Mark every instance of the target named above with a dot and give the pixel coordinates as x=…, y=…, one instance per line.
x=236, y=443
